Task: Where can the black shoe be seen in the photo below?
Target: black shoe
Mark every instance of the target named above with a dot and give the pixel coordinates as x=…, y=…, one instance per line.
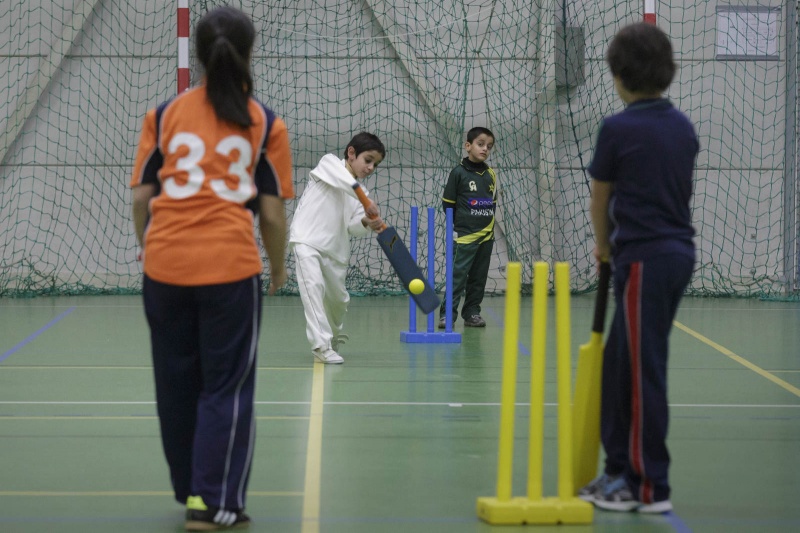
x=443, y=322
x=475, y=321
x=200, y=517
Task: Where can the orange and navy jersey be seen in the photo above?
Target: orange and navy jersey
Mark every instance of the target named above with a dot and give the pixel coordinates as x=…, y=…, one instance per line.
x=208, y=174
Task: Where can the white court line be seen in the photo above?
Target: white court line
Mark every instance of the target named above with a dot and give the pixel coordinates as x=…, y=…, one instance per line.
x=414, y=404
x=112, y=306
x=112, y=367
x=126, y=418
x=127, y=493
x=748, y=309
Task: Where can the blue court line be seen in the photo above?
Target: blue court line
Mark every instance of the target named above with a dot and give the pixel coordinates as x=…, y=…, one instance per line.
x=677, y=524
x=35, y=334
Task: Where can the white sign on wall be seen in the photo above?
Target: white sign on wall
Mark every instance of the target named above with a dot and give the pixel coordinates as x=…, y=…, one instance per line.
x=748, y=32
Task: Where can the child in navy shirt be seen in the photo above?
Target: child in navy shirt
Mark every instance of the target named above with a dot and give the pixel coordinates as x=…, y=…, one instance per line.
x=640, y=208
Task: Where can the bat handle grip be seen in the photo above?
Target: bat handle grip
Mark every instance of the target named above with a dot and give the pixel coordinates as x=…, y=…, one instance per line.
x=600, y=304
x=366, y=202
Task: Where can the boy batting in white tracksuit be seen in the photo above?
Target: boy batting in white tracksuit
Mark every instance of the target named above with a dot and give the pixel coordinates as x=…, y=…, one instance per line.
x=328, y=214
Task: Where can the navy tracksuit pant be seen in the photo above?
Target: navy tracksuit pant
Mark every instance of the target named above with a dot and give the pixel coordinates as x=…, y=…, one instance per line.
x=204, y=359
x=634, y=408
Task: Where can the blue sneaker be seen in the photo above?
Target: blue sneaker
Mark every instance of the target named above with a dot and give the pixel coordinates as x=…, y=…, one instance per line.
x=596, y=486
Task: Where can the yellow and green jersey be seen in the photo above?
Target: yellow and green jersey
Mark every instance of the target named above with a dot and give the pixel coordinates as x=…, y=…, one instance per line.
x=471, y=192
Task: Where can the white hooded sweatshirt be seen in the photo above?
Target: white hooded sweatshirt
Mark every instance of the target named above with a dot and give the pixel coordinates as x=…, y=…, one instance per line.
x=329, y=211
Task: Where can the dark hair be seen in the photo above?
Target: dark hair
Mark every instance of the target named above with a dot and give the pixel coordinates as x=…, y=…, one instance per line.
x=224, y=40
x=474, y=133
x=640, y=55
x=363, y=142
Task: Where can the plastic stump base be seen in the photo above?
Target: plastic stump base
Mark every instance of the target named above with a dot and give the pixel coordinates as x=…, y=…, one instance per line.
x=517, y=511
x=434, y=337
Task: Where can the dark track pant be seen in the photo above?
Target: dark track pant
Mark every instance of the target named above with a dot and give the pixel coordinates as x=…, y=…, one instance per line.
x=204, y=359
x=470, y=270
x=634, y=408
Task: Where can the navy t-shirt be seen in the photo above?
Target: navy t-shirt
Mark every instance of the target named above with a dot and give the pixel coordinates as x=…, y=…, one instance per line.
x=648, y=152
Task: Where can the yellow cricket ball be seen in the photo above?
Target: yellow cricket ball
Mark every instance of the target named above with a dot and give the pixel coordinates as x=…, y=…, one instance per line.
x=416, y=286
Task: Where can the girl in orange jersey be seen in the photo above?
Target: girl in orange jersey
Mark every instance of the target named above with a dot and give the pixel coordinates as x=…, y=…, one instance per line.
x=208, y=162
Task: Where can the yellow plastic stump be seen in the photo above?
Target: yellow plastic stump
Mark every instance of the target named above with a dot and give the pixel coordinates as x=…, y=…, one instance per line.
x=534, y=509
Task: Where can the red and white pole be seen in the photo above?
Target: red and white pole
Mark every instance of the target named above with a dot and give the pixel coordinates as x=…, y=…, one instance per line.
x=183, y=45
x=650, y=11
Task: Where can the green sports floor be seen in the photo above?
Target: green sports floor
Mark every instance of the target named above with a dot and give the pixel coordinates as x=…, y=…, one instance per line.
x=401, y=438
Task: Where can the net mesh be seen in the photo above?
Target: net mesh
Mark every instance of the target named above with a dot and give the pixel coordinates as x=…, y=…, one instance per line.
x=79, y=76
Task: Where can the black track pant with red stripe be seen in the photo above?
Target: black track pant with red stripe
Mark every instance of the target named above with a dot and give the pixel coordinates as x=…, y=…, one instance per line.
x=634, y=410
x=204, y=359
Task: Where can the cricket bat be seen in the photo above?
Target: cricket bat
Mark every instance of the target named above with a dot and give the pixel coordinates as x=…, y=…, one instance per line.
x=401, y=260
x=588, y=386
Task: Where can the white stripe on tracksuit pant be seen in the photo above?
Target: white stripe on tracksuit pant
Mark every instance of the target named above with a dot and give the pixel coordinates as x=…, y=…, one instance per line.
x=321, y=281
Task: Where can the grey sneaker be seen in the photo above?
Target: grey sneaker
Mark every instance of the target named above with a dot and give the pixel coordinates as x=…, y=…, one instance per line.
x=329, y=357
x=616, y=496
x=595, y=486
x=475, y=321
x=338, y=340
x=442, y=323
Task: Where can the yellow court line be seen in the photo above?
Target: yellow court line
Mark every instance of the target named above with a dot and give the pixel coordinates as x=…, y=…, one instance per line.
x=311, y=497
x=126, y=493
x=739, y=359
x=125, y=418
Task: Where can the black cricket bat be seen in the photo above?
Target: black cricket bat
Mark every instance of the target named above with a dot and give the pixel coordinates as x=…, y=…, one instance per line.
x=401, y=260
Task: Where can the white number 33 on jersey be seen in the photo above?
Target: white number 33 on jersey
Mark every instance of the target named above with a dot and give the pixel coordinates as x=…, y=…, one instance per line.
x=190, y=163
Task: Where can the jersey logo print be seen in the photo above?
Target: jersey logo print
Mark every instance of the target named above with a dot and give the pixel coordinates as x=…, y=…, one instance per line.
x=481, y=202
x=472, y=186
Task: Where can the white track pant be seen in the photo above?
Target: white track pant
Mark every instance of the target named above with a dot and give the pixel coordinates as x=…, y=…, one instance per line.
x=320, y=280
